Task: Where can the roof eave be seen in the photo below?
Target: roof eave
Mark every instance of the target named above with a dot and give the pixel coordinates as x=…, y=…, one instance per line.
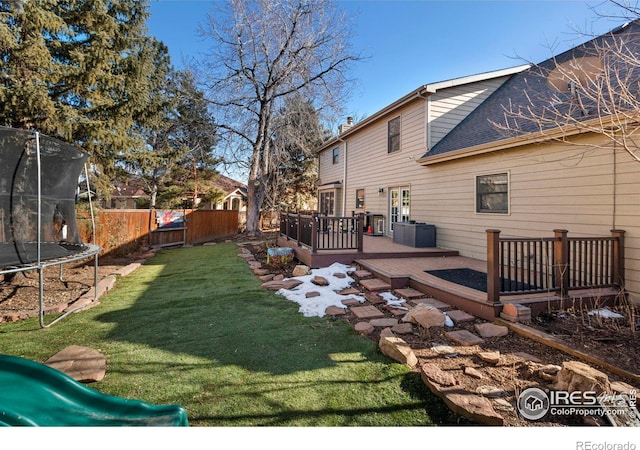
x=517, y=141
x=422, y=92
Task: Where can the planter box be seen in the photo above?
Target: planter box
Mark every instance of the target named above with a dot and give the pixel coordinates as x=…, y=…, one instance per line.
x=414, y=234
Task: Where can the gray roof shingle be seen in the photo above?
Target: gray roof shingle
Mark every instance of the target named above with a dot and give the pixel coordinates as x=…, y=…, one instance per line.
x=530, y=89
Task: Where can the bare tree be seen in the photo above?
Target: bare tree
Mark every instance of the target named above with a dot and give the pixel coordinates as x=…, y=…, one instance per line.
x=593, y=88
x=265, y=51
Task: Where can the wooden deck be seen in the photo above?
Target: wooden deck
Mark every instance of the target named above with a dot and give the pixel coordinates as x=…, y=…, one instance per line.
x=411, y=272
x=374, y=247
x=401, y=266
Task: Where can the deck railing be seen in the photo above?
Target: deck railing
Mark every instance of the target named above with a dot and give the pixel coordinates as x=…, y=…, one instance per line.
x=322, y=232
x=554, y=264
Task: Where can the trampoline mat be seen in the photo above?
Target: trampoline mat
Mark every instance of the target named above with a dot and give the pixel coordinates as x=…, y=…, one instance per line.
x=22, y=253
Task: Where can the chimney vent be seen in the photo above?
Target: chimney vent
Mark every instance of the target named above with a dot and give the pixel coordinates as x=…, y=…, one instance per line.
x=345, y=126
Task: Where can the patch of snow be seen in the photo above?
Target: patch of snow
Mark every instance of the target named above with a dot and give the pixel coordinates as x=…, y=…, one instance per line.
x=316, y=306
x=447, y=320
x=605, y=314
x=394, y=301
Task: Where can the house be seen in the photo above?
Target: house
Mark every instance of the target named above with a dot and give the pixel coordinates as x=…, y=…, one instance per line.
x=235, y=198
x=462, y=156
x=235, y=195
x=371, y=166
x=127, y=194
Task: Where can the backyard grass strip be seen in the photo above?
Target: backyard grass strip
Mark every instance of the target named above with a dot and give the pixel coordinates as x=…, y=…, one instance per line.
x=192, y=327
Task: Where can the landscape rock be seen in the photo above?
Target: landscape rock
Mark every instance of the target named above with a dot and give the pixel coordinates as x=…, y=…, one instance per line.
x=312, y=294
x=491, y=391
x=429, y=317
x=335, y=311
x=433, y=373
x=489, y=330
x=364, y=328
x=320, y=281
x=383, y=322
x=474, y=407
x=81, y=363
x=473, y=372
x=463, y=337
x=458, y=316
x=402, y=328
x=578, y=376
x=275, y=285
x=267, y=277
x=396, y=348
x=349, y=291
x=300, y=271
x=490, y=357
x=260, y=272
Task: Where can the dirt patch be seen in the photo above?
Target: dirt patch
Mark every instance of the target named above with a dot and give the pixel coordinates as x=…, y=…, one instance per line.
x=19, y=292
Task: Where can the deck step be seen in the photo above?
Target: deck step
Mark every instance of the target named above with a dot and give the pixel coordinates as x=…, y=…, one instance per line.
x=409, y=293
x=360, y=274
x=366, y=312
x=431, y=302
x=375, y=284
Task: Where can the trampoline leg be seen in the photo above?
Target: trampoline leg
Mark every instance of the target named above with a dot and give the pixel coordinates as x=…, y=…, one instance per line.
x=41, y=294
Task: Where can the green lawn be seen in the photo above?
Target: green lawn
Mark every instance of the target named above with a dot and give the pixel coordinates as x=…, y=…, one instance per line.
x=192, y=327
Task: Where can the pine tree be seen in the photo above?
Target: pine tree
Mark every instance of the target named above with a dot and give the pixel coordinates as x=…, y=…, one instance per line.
x=79, y=70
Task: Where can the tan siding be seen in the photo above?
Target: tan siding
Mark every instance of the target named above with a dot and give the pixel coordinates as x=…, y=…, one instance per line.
x=327, y=171
x=552, y=186
x=450, y=106
x=557, y=187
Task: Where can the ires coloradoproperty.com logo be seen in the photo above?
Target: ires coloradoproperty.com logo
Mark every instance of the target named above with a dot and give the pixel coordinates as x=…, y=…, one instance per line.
x=534, y=403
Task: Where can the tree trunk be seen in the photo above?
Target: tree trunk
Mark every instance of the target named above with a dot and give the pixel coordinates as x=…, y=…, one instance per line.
x=255, y=196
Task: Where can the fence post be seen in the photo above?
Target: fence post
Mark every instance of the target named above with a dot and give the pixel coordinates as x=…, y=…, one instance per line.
x=618, y=258
x=314, y=232
x=561, y=263
x=360, y=230
x=493, y=266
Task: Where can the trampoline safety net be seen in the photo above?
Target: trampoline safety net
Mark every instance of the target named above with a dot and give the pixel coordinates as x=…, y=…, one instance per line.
x=38, y=184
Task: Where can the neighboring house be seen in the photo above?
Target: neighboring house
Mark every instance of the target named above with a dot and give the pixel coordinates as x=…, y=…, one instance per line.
x=469, y=176
x=235, y=195
x=126, y=195
x=235, y=198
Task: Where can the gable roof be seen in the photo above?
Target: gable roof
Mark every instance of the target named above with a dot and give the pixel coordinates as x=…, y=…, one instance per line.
x=531, y=91
x=229, y=185
x=422, y=92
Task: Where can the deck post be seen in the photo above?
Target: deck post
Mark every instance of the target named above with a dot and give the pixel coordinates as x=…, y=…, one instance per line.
x=359, y=227
x=561, y=262
x=284, y=224
x=493, y=266
x=314, y=232
x=618, y=258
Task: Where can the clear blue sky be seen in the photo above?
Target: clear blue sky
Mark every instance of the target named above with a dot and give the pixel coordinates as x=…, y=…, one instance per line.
x=411, y=43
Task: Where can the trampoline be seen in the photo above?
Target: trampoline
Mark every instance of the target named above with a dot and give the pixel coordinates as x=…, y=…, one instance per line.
x=38, y=189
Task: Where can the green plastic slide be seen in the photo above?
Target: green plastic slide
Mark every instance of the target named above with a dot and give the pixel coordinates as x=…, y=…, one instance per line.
x=34, y=394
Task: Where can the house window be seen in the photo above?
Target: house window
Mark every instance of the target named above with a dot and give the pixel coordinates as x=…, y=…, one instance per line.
x=327, y=201
x=393, y=135
x=336, y=155
x=359, y=198
x=492, y=193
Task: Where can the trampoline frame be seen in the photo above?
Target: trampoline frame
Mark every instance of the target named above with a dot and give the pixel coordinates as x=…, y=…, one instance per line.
x=39, y=264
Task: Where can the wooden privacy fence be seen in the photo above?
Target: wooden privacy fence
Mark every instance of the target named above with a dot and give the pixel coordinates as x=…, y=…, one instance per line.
x=124, y=231
x=553, y=264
